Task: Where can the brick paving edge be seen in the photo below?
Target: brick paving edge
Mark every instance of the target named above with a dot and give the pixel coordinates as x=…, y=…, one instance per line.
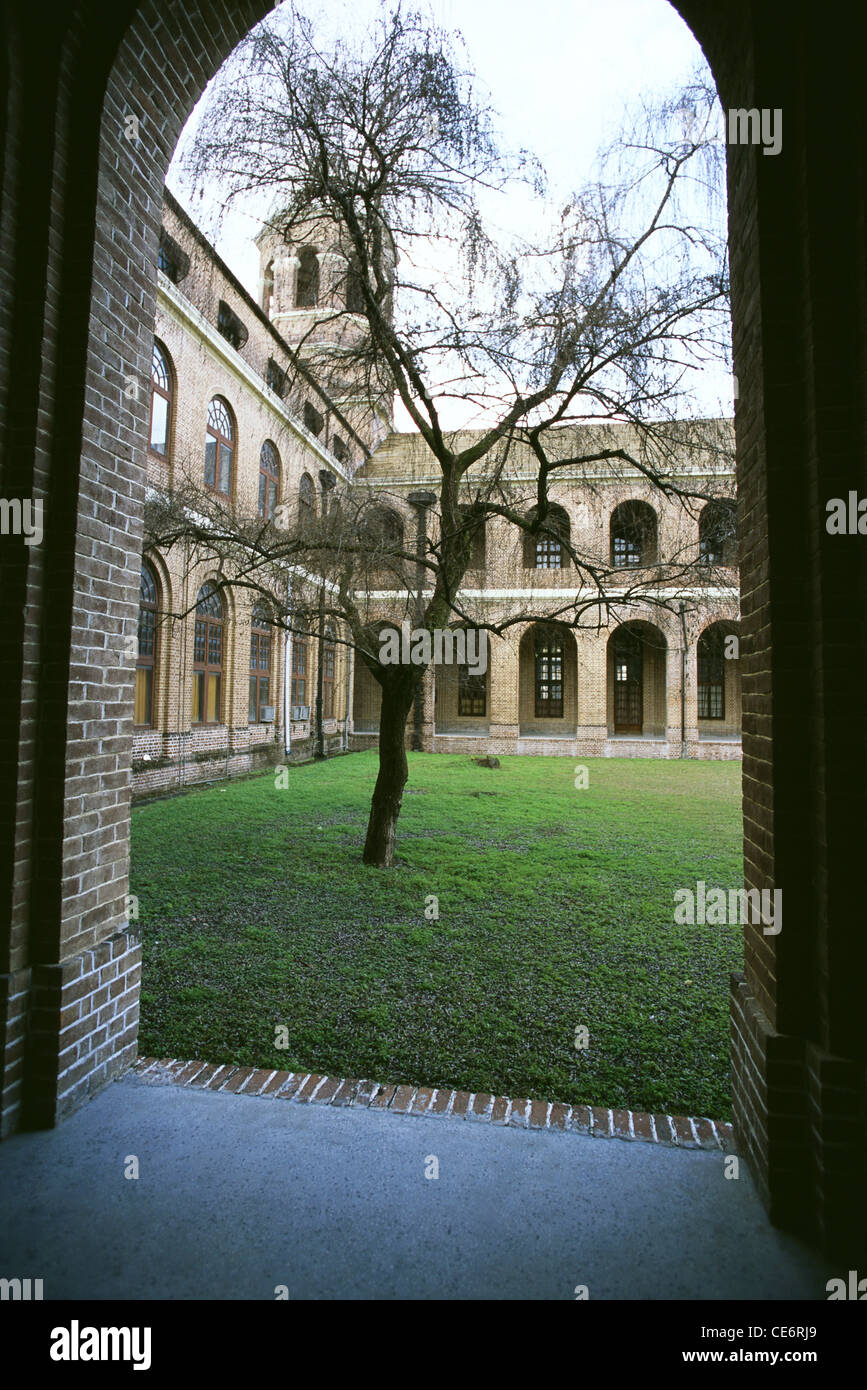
x=633, y=1126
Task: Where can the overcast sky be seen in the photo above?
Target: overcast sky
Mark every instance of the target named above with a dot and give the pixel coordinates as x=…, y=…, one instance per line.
x=561, y=74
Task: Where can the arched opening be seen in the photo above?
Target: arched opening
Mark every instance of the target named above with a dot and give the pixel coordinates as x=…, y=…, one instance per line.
x=366, y=690
x=147, y=660
x=546, y=550
x=307, y=283
x=786, y=451
x=462, y=692
x=269, y=480
x=162, y=392
x=717, y=534
x=261, y=707
x=548, y=682
x=208, y=656
x=268, y=289
x=718, y=682
x=382, y=529
x=306, y=501
x=220, y=447
x=637, y=688
x=633, y=531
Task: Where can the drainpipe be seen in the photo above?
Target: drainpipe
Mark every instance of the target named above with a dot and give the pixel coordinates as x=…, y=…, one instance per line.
x=421, y=501
x=327, y=481
x=287, y=676
x=347, y=709
x=682, y=679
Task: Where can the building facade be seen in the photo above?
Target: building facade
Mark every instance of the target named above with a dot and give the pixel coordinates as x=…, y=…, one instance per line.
x=221, y=690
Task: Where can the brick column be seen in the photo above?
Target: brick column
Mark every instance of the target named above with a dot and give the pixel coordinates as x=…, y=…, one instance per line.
x=82, y=203
x=504, y=722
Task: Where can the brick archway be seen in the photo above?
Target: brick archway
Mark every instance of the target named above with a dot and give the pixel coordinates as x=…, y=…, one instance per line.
x=79, y=241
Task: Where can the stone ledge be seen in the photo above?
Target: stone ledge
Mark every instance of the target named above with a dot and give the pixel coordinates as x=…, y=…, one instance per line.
x=633, y=1126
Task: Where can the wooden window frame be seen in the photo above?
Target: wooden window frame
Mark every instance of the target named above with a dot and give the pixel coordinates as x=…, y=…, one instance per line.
x=299, y=671
x=222, y=440
x=147, y=660
x=472, y=692
x=261, y=640
x=329, y=673
x=548, y=647
x=165, y=393
x=269, y=480
x=711, y=676
x=206, y=624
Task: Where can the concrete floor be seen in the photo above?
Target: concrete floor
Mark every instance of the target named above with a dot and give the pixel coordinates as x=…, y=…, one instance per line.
x=237, y=1195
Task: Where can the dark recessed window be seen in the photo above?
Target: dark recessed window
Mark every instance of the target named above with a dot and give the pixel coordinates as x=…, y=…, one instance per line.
x=711, y=675
x=314, y=420
x=306, y=501
x=633, y=535
x=208, y=657
x=268, y=289
x=339, y=449
x=476, y=528
x=717, y=533
x=276, y=378
x=161, y=401
x=269, y=480
x=354, y=292
x=472, y=692
x=231, y=327
x=329, y=662
x=172, y=261
x=307, y=284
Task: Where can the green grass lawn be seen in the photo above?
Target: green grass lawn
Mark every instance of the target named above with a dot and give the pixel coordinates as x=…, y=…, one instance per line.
x=555, y=910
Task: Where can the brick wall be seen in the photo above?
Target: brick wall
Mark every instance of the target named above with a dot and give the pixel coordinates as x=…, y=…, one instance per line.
x=77, y=252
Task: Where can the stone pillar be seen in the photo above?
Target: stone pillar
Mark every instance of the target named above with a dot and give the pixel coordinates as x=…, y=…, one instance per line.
x=504, y=725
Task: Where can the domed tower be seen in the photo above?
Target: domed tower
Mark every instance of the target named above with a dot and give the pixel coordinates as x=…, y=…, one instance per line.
x=311, y=291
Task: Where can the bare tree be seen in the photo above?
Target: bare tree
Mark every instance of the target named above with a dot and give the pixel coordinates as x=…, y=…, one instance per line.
x=571, y=350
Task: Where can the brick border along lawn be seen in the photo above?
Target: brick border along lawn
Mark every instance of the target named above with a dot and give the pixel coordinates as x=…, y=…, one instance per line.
x=680, y=1131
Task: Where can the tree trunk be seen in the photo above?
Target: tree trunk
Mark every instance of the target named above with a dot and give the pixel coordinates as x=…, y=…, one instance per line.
x=397, y=697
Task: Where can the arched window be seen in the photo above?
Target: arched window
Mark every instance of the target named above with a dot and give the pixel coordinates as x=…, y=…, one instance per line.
x=268, y=289
x=711, y=674
x=161, y=401
x=306, y=501
x=472, y=690
x=307, y=284
x=260, y=664
x=329, y=662
x=354, y=292
x=633, y=535
x=549, y=673
x=146, y=660
x=717, y=534
x=299, y=671
x=269, y=480
x=476, y=528
x=219, y=447
x=383, y=529
x=208, y=657
x=546, y=551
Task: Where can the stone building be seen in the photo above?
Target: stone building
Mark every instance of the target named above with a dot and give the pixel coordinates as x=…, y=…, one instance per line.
x=221, y=691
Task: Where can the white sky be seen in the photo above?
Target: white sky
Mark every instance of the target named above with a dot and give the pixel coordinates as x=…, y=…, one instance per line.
x=561, y=74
